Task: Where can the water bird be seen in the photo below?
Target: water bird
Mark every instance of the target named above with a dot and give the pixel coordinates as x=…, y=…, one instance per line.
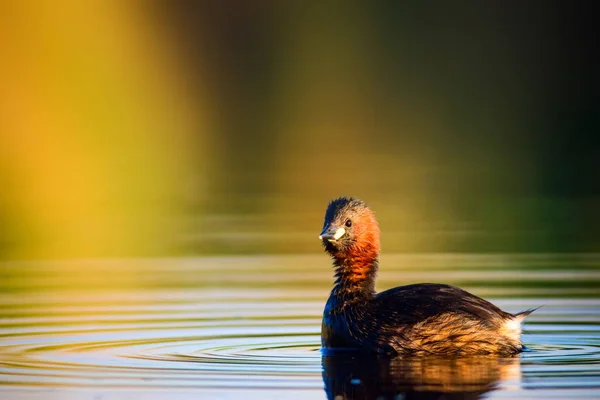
x=418, y=319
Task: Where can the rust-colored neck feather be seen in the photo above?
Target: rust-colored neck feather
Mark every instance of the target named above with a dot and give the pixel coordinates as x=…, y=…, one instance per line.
x=356, y=268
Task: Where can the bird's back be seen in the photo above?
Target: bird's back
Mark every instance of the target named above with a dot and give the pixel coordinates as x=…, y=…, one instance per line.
x=443, y=319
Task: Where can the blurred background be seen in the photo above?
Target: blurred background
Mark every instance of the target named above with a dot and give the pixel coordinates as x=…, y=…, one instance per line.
x=146, y=129
x=165, y=167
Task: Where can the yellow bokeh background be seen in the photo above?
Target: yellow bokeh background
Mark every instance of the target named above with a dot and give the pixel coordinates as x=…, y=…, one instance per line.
x=96, y=129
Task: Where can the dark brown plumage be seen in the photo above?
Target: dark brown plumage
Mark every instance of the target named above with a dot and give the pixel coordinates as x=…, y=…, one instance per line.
x=415, y=319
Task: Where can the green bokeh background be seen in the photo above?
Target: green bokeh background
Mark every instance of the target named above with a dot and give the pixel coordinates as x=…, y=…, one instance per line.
x=196, y=128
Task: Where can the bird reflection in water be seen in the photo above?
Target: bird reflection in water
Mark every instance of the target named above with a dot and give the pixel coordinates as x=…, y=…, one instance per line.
x=349, y=376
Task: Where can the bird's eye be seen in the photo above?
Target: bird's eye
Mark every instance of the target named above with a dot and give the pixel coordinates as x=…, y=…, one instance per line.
x=348, y=223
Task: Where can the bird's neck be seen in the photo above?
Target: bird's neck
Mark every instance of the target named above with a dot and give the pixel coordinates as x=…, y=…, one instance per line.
x=355, y=274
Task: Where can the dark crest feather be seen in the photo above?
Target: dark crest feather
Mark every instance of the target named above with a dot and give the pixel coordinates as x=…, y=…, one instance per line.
x=341, y=204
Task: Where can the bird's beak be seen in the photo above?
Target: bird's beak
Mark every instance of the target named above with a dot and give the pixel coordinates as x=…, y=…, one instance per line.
x=332, y=233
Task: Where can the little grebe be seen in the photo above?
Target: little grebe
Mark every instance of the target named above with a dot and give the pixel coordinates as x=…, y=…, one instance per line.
x=425, y=318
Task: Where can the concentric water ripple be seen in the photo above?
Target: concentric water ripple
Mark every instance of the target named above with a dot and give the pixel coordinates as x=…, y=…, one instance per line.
x=254, y=342
x=217, y=345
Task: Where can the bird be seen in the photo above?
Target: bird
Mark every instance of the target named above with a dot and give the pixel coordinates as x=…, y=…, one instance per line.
x=416, y=319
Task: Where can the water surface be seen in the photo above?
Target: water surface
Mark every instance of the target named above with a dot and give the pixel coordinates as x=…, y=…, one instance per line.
x=248, y=327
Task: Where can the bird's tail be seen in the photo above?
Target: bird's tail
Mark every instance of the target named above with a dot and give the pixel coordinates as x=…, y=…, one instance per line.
x=520, y=316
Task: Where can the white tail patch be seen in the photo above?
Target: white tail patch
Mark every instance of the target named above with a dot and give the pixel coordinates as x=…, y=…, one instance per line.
x=512, y=328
